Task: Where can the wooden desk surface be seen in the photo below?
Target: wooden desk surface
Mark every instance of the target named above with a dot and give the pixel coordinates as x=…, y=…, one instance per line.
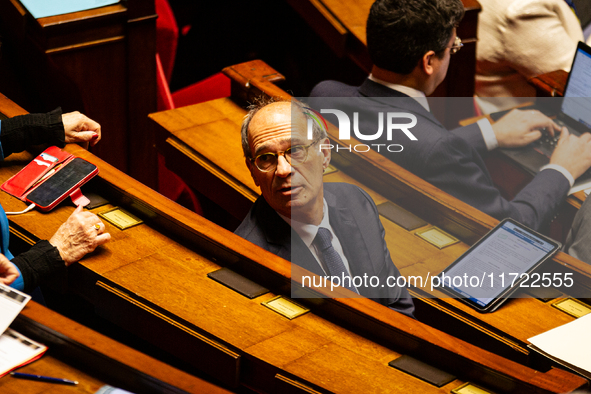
x=210, y=132
x=550, y=84
x=150, y=284
x=142, y=275
x=151, y=279
x=145, y=277
x=78, y=353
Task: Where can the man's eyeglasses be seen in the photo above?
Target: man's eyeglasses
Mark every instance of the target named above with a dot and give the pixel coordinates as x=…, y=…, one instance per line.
x=295, y=155
x=456, y=46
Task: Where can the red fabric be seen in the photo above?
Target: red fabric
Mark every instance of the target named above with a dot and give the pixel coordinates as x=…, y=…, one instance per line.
x=214, y=87
x=211, y=88
x=169, y=184
x=164, y=97
x=185, y=30
x=18, y=185
x=167, y=36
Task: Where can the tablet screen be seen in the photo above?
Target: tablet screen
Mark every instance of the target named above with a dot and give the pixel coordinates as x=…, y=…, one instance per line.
x=495, y=265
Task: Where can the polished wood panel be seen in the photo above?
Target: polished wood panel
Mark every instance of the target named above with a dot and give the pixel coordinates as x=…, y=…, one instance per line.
x=100, y=62
x=550, y=84
x=218, y=123
x=79, y=353
x=157, y=273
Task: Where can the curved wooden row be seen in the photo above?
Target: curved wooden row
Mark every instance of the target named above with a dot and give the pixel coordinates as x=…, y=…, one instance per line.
x=79, y=353
x=209, y=136
x=152, y=280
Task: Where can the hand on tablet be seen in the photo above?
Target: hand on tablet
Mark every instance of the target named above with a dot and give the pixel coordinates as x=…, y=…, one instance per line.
x=79, y=235
x=8, y=271
x=80, y=128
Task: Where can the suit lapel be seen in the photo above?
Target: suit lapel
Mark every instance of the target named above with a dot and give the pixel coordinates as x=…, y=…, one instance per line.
x=275, y=230
x=285, y=242
x=352, y=240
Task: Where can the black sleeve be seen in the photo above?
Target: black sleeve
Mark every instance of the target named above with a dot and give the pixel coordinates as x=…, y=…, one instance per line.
x=20, y=132
x=39, y=263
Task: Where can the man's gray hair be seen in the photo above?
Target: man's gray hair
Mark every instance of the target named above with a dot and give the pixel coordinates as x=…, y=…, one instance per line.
x=318, y=131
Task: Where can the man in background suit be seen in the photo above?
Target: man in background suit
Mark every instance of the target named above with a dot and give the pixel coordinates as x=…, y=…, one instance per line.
x=328, y=229
x=518, y=40
x=410, y=43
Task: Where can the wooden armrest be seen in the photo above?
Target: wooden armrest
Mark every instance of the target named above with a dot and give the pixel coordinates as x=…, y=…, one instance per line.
x=550, y=84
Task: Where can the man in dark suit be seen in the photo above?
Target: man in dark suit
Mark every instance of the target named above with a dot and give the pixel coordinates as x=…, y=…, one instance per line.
x=331, y=230
x=410, y=43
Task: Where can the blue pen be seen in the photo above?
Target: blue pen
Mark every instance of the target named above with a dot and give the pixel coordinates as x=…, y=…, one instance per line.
x=40, y=378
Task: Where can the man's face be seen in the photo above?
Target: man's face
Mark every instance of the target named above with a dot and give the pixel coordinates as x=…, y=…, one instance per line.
x=288, y=190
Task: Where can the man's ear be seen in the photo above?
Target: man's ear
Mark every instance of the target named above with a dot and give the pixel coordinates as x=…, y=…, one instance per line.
x=252, y=170
x=427, y=62
x=325, y=153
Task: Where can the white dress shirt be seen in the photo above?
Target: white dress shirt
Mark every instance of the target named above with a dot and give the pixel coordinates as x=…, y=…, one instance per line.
x=308, y=232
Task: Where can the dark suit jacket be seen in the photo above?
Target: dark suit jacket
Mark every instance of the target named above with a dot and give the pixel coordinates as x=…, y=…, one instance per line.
x=450, y=160
x=354, y=218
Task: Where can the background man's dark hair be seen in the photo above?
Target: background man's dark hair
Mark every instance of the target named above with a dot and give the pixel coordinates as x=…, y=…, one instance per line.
x=400, y=32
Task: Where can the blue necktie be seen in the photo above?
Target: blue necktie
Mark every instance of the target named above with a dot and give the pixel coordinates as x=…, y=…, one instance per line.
x=331, y=259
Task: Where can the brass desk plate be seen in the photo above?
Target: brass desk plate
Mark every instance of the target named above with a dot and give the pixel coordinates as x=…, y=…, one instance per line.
x=120, y=218
x=437, y=237
x=469, y=388
x=285, y=307
x=572, y=307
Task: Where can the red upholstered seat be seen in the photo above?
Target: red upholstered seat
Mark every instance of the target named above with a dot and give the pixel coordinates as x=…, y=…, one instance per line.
x=211, y=88
x=216, y=86
x=167, y=36
x=170, y=184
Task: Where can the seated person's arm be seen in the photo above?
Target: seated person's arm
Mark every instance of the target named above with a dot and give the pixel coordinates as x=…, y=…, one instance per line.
x=8, y=271
x=20, y=132
x=516, y=129
x=520, y=128
x=540, y=36
x=37, y=264
x=72, y=241
x=78, y=236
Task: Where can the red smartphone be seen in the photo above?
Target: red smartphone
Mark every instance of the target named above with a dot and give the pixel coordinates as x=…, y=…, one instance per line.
x=62, y=183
